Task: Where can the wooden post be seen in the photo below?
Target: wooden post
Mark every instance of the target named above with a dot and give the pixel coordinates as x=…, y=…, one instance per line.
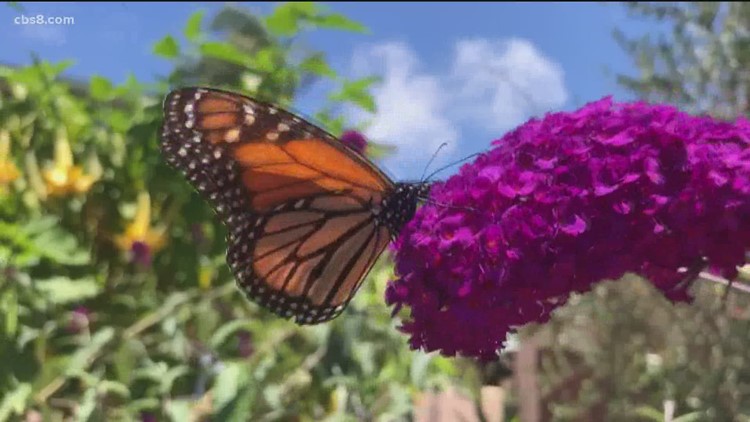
x=525, y=377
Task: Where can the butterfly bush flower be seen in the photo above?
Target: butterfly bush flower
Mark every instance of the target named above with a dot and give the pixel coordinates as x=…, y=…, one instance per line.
x=564, y=202
x=354, y=140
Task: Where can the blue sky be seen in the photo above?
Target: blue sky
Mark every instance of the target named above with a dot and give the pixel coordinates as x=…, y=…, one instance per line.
x=462, y=73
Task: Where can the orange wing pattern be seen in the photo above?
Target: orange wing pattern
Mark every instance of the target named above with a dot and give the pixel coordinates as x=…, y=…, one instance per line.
x=301, y=208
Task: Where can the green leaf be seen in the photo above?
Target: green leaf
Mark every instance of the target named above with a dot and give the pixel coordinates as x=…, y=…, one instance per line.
x=339, y=21
x=240, y=407
x=317, y=65
x=14, y=402
x=228, y=383
x=357, y=92
x=100, y=88
x=145, y=404
x=168, y=379
x=193, y=26
x=120, y=120
x=60, y=247
x=82, y=358
x=650, y=413
x=265, y=60
x=52, y=71
x=178, y=410
x=9, y=302
x=39, y=225
x=419, y=363
x=224, y=51
x=86, y=410
x=285, y=19
x=220, y=336
x=167, y=47
x=691, y=417
x=114, y=388
x=61, y=290
x=361, y=84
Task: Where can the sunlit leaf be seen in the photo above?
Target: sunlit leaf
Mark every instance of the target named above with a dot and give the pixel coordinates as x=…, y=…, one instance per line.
x=691, y=417
x=100, y=88
x=650, y=413
x=167, y=47
x=9, y=305
x=230, y=381
x=418, y=370
x=318, y=65
x=339, y=21
x=224, y=51
x=285, y=18
x=264, y=60
x=14, y=402
x=80, y=360
x=178, y=410
x=62, y=290
x=357, y=92
x=87, y=410
x=115, y=388
x=193, y=26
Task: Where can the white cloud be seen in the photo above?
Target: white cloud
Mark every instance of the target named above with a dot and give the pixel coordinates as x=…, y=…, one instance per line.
x=501, y=83
x=412, y=106
x=493, y=85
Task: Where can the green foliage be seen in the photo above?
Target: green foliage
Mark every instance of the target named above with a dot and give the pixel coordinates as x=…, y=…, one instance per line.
x=167, y=48
x=699, y=60
x=290, y=18
x=89, y=332
x=192, y=29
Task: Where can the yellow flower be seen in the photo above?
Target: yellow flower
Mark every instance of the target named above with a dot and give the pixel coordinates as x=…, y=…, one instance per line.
x=139, y=238
x=62, y=177
x=205, y=276
x=8, y=170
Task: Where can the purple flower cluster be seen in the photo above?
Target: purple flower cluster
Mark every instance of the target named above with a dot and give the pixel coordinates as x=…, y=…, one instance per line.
x=354, y=140
x=564, y=202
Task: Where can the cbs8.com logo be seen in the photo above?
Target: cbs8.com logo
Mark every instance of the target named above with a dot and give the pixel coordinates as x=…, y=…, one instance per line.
x=43, y=20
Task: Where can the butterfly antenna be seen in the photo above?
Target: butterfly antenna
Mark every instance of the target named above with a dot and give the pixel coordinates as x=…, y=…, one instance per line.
x=434, y=154
x=452, y=164
x=453, y=207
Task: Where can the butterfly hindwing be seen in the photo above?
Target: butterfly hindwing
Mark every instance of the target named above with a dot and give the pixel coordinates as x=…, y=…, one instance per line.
x=296, y=202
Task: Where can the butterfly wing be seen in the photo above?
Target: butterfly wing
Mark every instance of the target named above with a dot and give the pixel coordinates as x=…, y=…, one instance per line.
x=295, y=201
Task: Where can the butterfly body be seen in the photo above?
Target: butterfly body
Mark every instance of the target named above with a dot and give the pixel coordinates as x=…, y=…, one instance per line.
x=306, y=216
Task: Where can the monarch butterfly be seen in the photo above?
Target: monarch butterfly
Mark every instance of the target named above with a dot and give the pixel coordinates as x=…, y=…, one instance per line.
x=306, y=216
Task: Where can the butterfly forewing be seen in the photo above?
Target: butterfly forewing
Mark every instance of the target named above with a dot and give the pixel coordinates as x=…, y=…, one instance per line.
x=296, y=202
